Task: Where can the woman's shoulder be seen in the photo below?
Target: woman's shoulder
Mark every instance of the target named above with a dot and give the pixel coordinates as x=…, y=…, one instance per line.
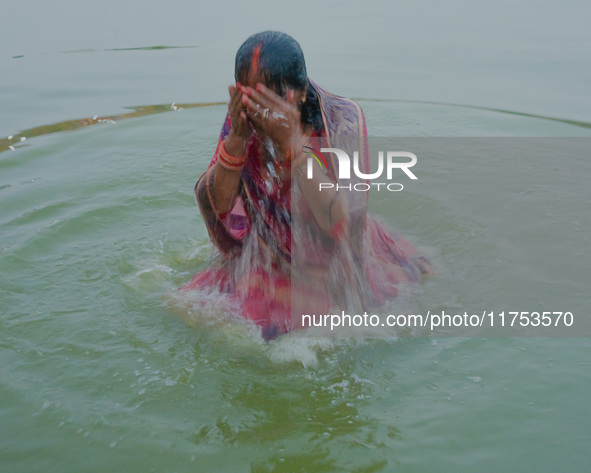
x=330, y=98
x=342, y=115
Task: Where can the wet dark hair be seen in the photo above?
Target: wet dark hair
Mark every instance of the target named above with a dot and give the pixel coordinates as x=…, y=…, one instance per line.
x=278, y=60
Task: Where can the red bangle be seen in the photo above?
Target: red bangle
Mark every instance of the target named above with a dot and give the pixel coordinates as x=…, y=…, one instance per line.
x=229, y=167
x=231, y=163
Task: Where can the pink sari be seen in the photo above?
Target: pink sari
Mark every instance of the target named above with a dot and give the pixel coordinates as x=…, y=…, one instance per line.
x=255, y=238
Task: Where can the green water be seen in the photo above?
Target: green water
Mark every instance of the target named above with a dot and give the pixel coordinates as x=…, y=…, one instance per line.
x=104, y=366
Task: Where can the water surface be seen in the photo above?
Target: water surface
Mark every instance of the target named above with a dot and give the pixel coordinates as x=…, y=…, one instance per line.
x=104, y=367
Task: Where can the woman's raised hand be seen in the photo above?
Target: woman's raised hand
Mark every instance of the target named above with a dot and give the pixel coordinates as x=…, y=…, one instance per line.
x=241, y=130
x=279, y=118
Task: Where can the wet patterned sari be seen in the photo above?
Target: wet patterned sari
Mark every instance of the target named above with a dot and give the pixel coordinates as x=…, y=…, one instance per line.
x=275, y=262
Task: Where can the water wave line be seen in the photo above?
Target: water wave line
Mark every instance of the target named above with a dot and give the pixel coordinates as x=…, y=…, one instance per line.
x=11, y=142
x=17, y=140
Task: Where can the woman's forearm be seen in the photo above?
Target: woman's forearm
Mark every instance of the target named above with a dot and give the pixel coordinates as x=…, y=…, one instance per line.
x=226, y=182
x=225, y=188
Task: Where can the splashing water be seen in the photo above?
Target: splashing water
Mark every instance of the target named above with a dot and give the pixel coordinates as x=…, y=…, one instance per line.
x=292, y=264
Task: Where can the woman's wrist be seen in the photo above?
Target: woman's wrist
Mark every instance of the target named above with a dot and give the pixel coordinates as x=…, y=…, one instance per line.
x=228, y=160
x=235, y=145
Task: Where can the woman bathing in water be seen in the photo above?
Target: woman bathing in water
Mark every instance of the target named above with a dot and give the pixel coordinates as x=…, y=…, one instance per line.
x=286, y=247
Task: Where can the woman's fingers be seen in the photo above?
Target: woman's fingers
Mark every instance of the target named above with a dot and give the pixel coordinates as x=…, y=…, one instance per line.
x=267, y=98
x=235, y=96
x=268, y=94
x=235, y=106
x=267, y=111
x=291, y=96
x=256, y=111
x=244, y=118
x=237, y=112
x=257, y=103
x=257, y=99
